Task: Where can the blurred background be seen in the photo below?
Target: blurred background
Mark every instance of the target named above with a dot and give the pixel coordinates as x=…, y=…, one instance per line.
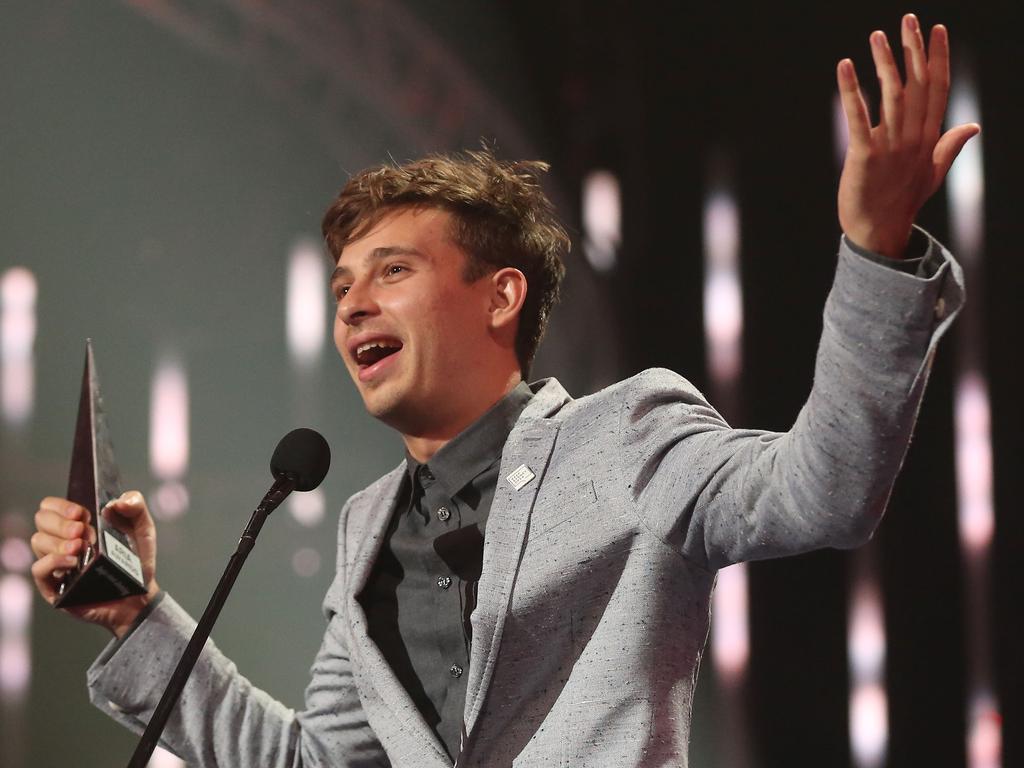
x=165, y=164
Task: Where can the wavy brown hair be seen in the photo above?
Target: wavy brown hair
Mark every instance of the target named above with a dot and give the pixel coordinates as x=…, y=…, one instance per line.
x=500, y=218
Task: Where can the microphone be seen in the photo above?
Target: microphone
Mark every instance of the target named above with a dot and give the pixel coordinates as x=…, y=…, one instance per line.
x=303, y=454
x=300, y=463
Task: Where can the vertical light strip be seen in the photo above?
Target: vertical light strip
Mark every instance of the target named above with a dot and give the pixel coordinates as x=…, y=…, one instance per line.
x=865, y=624
x=16, y=605
x=730, y=631
x=17, y=337
x=306, y=320
x=966, y=181
x=723, y=336
x=973, y=441
x=723, y=331
x=169, y=438
x=866, y=644
x=602, y=219
x=723, y=299
x=975, y=513
x=306, y=303
x=15, y=617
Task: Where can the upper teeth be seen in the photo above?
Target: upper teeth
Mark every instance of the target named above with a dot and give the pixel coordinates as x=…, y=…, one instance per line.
x=382, y=343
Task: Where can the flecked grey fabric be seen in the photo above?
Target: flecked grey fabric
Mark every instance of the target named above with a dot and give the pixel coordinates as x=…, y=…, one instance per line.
x=593, y=603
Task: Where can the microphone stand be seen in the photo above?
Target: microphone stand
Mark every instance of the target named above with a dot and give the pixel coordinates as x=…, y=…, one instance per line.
x=278, y=491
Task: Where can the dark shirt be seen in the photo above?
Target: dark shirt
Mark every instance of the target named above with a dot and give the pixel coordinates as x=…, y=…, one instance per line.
x=422, y=590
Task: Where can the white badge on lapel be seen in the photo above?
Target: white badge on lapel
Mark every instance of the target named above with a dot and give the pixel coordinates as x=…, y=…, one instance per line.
x=520, y=476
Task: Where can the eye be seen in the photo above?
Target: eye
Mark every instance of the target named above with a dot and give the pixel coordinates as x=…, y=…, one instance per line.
x=394, y=269
x=340, y=291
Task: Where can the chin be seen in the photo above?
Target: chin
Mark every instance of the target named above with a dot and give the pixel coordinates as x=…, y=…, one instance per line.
x=387, y=407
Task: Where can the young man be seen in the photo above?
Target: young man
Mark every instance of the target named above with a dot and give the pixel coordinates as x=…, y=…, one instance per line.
x=532, y=584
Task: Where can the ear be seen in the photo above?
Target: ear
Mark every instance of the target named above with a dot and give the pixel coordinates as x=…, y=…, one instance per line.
x=507, y=294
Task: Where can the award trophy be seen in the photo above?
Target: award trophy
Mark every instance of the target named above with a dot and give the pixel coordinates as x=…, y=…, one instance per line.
x=108, y=568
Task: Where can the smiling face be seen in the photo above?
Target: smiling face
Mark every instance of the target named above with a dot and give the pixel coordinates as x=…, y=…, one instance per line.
x=420, y=343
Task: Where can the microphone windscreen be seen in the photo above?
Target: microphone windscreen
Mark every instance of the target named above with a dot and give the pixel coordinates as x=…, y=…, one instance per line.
x=303, y=454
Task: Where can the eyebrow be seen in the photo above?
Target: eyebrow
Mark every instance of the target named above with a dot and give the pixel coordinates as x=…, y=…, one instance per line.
x=378, y=254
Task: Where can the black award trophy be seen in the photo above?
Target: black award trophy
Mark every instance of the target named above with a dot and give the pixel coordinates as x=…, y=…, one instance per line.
x=109, y=568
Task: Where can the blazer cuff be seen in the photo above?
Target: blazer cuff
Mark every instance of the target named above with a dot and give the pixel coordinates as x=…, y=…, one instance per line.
x=921, y=259
x=892, y=311
x=128, y=678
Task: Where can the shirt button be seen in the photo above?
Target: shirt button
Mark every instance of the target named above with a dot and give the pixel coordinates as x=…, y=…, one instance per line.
x=443, y=513
x=444, y=581
x=427, y=474
x=455, y=670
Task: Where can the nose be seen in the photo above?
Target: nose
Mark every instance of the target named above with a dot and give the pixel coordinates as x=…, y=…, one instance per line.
x=358, y=304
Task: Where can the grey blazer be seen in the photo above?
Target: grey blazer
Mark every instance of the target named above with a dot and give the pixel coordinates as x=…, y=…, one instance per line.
x=598, y=569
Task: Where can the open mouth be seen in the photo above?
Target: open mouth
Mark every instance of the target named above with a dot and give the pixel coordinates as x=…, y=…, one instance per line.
x=372, y=352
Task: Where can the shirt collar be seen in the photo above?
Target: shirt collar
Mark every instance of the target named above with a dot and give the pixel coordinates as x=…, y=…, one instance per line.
x=478, y=446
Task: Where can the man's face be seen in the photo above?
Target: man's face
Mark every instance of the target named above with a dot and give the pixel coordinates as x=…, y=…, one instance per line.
x=408, y=326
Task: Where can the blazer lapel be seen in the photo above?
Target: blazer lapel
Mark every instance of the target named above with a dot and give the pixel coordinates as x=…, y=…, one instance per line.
x=529, y=446
x=374, y=518
x=377, y=514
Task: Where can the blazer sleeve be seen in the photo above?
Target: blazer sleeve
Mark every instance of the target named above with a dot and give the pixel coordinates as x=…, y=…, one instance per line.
x=723, y=495
x=222, y=719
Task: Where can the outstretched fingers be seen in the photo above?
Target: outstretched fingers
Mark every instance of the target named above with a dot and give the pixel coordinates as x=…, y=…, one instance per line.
x=858, y=121
x=938, y=81
x=916, y=65
x=891, y=122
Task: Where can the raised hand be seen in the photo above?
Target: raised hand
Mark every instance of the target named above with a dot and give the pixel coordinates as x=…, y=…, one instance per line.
x=62, y=533
x=892, y=168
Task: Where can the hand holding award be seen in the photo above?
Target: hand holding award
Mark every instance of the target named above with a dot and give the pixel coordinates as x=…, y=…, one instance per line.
x=99, y=567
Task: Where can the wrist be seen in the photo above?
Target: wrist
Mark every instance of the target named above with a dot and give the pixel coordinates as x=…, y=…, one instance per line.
x=134, y=607
x=889, y=243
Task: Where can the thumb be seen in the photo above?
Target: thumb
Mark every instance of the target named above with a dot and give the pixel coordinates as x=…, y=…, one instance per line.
x=948, y=147
x=130, y=505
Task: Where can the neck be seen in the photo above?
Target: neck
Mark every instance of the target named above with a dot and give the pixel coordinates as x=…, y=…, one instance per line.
x=423, y=446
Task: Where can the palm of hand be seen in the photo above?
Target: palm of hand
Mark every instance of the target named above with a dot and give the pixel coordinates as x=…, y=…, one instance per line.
x=892, y=168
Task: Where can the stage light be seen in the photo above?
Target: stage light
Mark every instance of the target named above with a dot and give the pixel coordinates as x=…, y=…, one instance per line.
x=306, y=302
x=723, y=331
x=866, y=635
x=306, y=562
x=974, y=464
x=17, y=337
x=723, y=298
x=170, y=500
x=308, y=508
x=972, y=423
x=966, y=179
x=602, y=219
x=868, y=711
x=15, y=616
x=168, y=421
x=730, y=633
x=869, y=725
x=169, y=438
x=15, y=555
x=985, y=736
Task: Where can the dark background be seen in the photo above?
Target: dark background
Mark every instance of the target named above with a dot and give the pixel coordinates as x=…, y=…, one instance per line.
x=159, y=159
